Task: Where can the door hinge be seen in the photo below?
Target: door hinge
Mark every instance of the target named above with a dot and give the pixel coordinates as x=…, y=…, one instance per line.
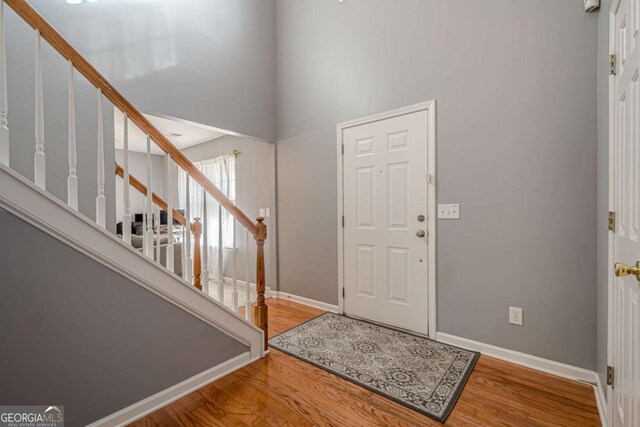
x=343, y=220
x=612, y=65
x=612, y=221
x=343, y=149
x=342, y=292
x=610, y=375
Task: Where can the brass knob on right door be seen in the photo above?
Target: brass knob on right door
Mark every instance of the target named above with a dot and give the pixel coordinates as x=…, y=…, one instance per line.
x=420, y=233
x=626, y=270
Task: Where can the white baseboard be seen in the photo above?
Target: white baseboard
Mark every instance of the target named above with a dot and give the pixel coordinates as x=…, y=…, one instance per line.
x=165, y=397
x=522, y=359
x=242, y=284
x=534, y=362
x=306, y=301
x=284, y=295
x=601, y=400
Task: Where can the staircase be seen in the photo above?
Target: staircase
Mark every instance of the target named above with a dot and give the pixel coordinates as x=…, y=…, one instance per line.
x=30, y=201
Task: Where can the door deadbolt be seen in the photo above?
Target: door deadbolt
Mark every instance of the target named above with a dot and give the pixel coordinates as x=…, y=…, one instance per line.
x=421, y=218
x=420, y=233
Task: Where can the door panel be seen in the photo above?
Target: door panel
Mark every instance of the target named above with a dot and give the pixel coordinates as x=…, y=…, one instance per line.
x=398, y=279
x=398, y=200
x=365, y=197
x=385, y=190
x=366, y=261
x=626, y=187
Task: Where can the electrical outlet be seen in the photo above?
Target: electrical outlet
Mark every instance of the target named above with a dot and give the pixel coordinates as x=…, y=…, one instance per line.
x=515, y=316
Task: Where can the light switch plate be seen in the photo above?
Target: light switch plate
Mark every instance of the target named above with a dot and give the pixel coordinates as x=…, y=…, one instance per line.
x=261, y=212
x=451, y=211
x=267, y=214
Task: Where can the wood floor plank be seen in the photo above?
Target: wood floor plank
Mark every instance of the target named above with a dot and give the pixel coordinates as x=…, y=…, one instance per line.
x=325, y=383
x=355, y=411
x=281, y=390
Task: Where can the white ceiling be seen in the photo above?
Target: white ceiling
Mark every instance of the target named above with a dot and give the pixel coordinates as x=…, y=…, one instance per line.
x=188, y=134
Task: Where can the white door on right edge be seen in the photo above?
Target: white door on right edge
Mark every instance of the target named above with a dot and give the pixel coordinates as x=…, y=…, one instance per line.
x=626, y=197
x=385, y=212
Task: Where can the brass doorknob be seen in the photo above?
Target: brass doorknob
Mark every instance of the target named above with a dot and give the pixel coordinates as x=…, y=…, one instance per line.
x=420, y=233
x=626, y=270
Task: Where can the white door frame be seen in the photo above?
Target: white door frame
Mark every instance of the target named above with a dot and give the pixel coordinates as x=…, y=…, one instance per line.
x=610, y=235
x=430, y=108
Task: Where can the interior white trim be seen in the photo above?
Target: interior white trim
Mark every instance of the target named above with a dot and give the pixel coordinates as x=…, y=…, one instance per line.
x=37, y=207
x=601, y=401
x=430, y=107
x=173, y=393
x=614, y=7
x=242, y=284
x=522, y=359
x=610, y=236
x=307, y=301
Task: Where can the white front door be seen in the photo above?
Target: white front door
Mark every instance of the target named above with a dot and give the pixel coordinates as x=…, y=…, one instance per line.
x=385, y=189
x=626, y=201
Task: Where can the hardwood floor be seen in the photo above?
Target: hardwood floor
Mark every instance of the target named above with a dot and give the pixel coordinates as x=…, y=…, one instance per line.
x=281, y=390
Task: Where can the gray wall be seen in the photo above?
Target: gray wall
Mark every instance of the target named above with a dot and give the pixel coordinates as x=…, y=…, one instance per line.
x=208, y=61
x=603, y=188
x=255, y=189
x=138, y=168
x=515, y=85
x=20, y=80
x=75, y=333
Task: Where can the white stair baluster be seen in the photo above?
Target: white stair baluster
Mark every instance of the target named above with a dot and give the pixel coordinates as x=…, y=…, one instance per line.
x=204, y=276
x=247, y=300
x=188, y=262
x=234, y=293
x=4, y=124
x=148, y=235
x=101, y=205
x=211, y=263
x=220, y=257
x=72, y=180
x=156, y=223
x=40, y=175
x=183, y=253
x=126, y=203
x=170, y=254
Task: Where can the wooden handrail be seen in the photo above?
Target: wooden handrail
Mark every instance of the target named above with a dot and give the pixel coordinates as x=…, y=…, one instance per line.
x=64, y=48
x=135, y=183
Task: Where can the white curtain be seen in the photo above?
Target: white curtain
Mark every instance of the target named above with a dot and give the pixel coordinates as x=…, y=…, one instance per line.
x=221, y=171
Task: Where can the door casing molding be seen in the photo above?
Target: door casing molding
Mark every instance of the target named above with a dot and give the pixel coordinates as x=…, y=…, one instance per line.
x=430, y=108
x=611, y=203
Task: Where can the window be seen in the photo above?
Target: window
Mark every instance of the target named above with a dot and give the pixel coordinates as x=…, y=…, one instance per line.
x=222, y=172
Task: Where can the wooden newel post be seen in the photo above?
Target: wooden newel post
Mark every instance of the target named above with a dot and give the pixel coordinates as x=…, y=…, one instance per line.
x=196, y=232
x=260, y=315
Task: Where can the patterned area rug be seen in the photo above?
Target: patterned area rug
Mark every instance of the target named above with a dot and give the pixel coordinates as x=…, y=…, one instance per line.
x=422, y=374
